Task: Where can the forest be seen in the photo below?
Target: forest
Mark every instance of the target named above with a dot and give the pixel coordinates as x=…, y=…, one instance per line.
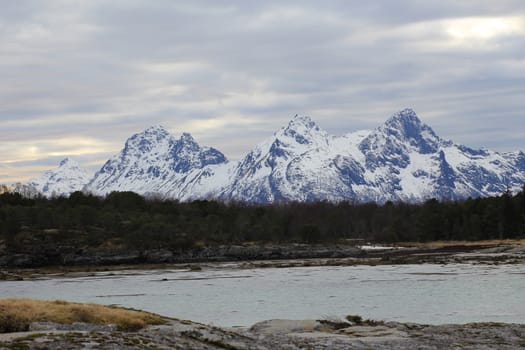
x=130, y=220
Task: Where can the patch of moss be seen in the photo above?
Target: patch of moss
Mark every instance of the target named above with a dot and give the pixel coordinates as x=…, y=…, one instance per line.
x=17, y=314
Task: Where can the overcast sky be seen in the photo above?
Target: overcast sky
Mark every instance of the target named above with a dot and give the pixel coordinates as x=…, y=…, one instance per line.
x=79, y=77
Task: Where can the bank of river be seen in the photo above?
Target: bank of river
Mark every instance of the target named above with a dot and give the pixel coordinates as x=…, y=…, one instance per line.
x=424, y=293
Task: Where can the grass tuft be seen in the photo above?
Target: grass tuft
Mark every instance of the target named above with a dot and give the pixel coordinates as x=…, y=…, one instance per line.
x=16, y=315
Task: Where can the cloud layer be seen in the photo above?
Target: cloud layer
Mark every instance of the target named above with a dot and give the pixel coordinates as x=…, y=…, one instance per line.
x=79, y=77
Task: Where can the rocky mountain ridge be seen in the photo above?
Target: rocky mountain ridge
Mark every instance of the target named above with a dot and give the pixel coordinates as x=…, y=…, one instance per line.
x=154, y=162
x=401, y=160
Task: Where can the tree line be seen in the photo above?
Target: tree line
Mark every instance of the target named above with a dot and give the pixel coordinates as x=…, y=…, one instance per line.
x=130, y=220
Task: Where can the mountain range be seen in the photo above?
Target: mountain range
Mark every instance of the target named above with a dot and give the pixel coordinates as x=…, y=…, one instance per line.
x=401, y=160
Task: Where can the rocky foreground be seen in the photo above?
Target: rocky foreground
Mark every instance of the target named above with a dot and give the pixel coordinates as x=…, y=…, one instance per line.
x=274, y=334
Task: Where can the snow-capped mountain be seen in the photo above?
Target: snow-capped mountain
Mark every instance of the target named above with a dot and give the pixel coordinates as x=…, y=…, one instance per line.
x=154, y=162
x=296, y=163
x=401, y=160
x=405, y=160
x=64, y=180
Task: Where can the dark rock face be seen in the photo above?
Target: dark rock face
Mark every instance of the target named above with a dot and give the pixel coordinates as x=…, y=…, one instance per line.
x=187, y=154
x=390, y=144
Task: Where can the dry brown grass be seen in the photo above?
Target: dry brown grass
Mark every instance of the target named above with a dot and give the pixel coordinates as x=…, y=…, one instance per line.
x=18, y=314
x=437, y=244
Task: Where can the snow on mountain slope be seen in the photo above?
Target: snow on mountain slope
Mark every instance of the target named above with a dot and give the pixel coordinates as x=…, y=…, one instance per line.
x=67, y=178
x=286, y=167
x=153, y=162
x=401, y=160
x=406, y=160
x=302, y=162
x=486, y=172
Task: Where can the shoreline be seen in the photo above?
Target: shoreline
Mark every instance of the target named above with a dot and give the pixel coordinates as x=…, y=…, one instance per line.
x=243, y=257
x=352, y=333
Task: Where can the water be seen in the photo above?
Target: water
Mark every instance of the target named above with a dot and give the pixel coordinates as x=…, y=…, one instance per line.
x=432, y=294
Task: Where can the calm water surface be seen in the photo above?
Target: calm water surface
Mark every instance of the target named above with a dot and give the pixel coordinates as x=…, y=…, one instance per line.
x=230, y=297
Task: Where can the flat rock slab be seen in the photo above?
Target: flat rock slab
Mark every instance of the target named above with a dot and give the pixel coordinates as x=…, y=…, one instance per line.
x=285, y=326
x=280, y=334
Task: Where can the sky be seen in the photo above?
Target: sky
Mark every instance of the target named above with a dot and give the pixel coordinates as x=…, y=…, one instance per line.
x=79, y=77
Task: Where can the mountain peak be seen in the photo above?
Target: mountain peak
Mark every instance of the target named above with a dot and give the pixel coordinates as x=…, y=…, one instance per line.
x=65, y=179
x=68, y=162
x=406, y=125
x=186, y=137
x=156, y=128
x=186, y=146
x=404, y=118
x=154, y=132
x=301, y=121
x=188, y=154
x=303, y=129
x=401, y=134
x=153, y=137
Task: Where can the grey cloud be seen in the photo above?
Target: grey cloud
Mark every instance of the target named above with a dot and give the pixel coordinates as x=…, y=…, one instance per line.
x=101, y=69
